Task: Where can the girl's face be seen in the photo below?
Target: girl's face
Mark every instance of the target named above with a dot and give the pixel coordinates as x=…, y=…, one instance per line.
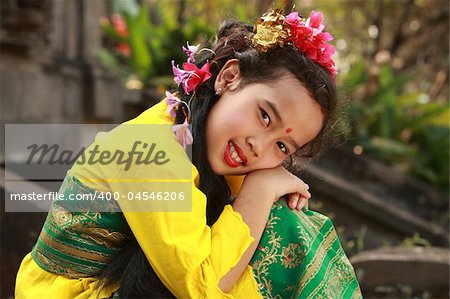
x=259, y=125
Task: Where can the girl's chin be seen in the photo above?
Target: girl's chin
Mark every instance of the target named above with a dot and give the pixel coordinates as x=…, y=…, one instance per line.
x=227, y=170
x=232, y=171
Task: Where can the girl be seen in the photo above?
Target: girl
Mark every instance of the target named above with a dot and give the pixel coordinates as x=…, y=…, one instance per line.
x=258, y=99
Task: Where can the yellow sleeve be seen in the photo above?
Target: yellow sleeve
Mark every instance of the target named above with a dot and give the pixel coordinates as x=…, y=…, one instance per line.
x=188, y=256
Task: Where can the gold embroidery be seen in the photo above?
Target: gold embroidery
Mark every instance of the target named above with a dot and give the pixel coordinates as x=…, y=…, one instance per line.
x=330, y=287
x=83, y=255
x=291, y=256
x=280, y=249
x=312, y=269
x=104, y=237
x=65, y=267
x=87, y=226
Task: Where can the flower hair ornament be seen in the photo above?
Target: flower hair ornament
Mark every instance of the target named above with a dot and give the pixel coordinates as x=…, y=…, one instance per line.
x=272, y=30
x=189, y=77
x=307, y=35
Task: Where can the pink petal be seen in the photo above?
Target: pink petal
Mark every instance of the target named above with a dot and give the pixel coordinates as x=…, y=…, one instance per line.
x=293, y=18
x=172, y=103
x=206, y=72
x=315, y=19
x=190, y=51
x=192, y=83
x=183, y=134
x=187, y=66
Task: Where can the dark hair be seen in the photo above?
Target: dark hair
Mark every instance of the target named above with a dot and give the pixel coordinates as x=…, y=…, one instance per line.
x=234, y=41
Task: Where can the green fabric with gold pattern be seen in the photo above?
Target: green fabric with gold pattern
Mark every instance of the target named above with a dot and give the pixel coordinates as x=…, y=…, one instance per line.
x=78, y=239
x=300, y=256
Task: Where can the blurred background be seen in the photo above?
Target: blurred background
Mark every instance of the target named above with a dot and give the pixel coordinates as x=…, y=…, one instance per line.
x=386, y=188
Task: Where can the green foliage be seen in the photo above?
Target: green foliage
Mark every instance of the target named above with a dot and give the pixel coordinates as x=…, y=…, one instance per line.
x=153, y=42
x=405, y=129
x=414, y=241
x=139, y=29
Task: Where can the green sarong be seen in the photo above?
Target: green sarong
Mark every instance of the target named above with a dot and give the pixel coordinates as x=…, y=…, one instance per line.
x=300, y=256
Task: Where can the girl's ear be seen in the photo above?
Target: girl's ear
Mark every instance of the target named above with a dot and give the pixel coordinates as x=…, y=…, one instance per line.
x=229, y=76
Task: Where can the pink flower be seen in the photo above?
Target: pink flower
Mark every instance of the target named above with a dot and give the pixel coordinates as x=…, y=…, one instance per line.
x=191, y=76
x=119, y=25
x=172, y=102
x=328, y=51
x=181, y=76
x=183, y=133
x=315, y=22
x=293, y=19
x=310, y=38
x=197, y=76
x=190, y=51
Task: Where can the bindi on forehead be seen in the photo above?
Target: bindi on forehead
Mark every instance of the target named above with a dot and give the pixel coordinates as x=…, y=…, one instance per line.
x=288, y=130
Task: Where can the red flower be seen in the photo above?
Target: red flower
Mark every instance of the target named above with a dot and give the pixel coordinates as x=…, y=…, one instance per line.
x=310, y=38
x=196, y=77
x=123, y=49
x=119, y=25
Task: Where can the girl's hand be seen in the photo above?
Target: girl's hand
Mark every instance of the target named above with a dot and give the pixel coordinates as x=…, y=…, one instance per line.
x=258, y=192
x=273, y=183
x=297, y=201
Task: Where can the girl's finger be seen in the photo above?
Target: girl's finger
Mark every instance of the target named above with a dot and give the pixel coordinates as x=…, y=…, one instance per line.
x=293, y=200
x=301, y=203
x=306, y=192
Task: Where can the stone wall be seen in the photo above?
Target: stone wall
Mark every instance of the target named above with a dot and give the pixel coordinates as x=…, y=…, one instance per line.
x=55, y=76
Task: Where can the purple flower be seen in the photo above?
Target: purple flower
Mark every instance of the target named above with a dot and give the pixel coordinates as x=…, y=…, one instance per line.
x=172, y=102
x=181, y=76
x=190, y=52
x=183, y=133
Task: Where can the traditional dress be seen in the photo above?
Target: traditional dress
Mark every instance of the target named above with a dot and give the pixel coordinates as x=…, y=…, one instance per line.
x=299, y=255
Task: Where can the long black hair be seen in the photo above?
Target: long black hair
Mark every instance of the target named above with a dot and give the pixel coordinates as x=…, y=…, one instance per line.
x=233, y=41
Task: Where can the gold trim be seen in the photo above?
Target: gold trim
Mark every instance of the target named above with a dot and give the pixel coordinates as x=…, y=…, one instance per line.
x=319, y=257
x=88, y=256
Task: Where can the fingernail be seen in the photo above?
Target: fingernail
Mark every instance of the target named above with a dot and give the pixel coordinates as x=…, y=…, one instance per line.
x=307, y=186
x=293, y=205
x=302, y=203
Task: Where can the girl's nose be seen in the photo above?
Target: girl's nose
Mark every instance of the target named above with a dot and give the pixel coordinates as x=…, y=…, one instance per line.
x=255, y=146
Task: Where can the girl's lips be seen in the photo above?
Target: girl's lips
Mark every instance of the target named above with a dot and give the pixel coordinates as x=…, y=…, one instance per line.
x=240, y=153
x=230, y=161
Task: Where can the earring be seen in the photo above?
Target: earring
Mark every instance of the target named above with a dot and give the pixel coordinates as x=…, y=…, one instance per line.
x=218, y=91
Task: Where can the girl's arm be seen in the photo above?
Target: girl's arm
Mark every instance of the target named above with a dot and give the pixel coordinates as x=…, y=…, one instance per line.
x=255, y=214
x=259, y=190
x=188, y=256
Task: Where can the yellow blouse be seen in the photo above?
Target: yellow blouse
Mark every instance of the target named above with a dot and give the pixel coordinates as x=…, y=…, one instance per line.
x=188, y=256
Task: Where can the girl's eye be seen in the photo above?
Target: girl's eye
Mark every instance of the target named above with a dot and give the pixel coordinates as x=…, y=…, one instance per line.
x=265, y=117
x=282, y=147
